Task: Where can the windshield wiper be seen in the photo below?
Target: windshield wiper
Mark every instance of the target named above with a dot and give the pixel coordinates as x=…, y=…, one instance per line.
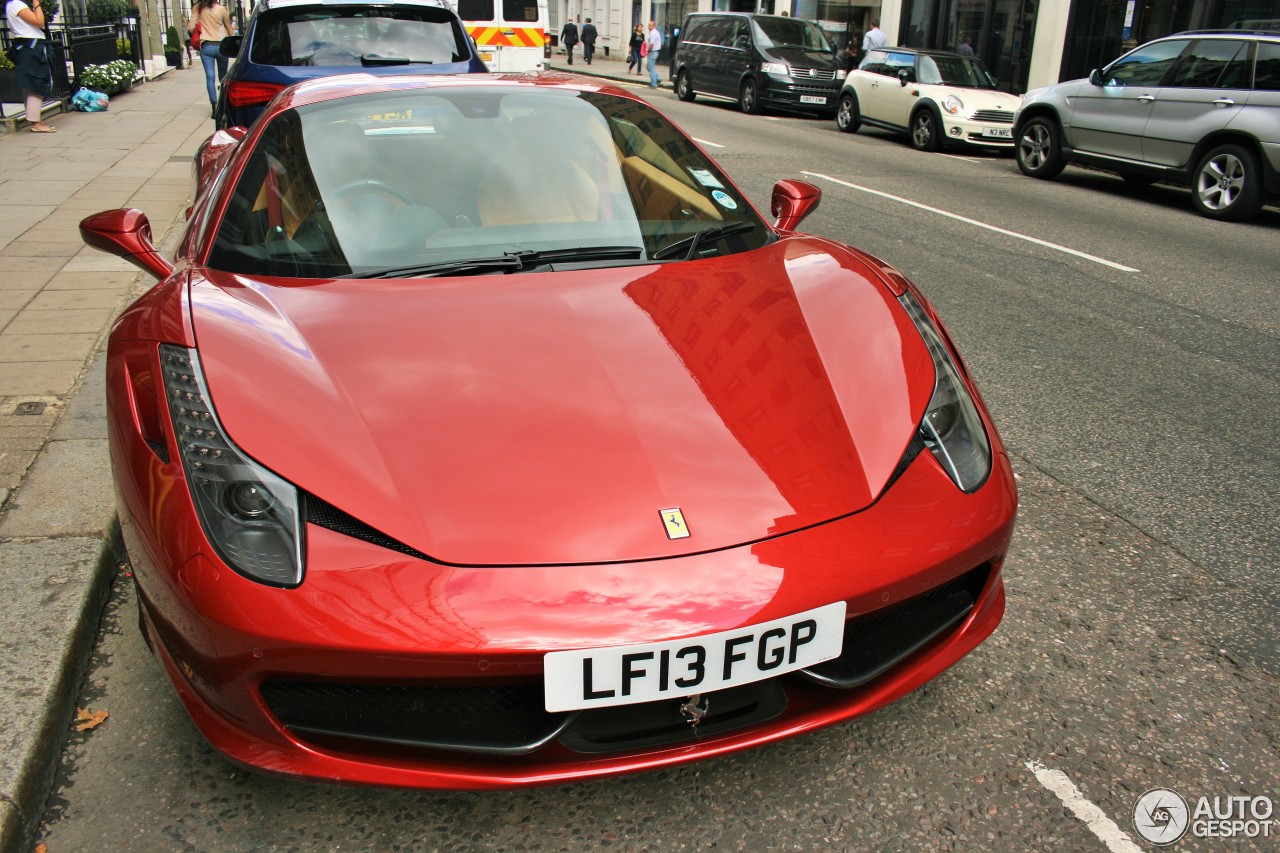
x=374, y=59
x=718, y=232
x=507, y=262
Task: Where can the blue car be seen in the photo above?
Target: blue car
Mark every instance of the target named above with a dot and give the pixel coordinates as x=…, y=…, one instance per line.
x=287, y=41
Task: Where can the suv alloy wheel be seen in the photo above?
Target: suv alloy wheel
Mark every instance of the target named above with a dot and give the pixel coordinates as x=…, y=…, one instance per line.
x=1228, y=184
x=1039, y=149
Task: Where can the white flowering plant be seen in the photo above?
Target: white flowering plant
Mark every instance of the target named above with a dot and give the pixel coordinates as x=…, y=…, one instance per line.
x=111, y=75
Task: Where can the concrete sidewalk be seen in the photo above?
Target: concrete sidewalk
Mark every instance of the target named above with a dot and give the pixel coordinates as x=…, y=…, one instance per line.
x=57, y=301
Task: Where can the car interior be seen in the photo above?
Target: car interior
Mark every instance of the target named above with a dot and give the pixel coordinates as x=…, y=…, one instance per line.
x=337, y=189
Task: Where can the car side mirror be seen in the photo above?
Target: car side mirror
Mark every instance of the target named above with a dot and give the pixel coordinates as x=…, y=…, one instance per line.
x=792, y=202
x=904, y=76
x=1095, y=77
x=230, y=46
x=125, y=234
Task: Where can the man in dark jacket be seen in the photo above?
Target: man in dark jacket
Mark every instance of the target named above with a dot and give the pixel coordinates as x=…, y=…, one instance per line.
x=588, y=40
x=568, y=38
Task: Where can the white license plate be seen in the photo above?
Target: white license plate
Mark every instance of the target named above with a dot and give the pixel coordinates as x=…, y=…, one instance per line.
x=997, y=133
x=625, y=675
x=812, y=99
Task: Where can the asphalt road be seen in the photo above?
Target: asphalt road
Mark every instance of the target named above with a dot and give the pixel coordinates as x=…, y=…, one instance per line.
x=1128, y=350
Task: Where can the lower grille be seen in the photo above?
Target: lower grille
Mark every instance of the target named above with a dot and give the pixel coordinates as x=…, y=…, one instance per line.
x=993, y=116
x=511, y=720
x=498, y=719
x=660, y=723
x=880, y=640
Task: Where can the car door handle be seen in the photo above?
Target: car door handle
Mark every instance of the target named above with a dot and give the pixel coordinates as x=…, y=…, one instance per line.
x=1224, y=102
x=1146, y=99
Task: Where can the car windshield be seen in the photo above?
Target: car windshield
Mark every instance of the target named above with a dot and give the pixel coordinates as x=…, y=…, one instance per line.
x=493, y=176
x=333, y=35
x=790, y=33
x=955, y=71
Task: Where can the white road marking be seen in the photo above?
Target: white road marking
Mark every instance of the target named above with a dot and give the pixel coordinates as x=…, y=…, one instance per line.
x=1116, y=839
x=705, y=142
x=976, y=223
x=958, y=157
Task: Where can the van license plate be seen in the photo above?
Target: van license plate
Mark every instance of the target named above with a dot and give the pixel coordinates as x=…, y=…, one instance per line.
x=626, y=675
x=486, y=57
x=997, y=133
x=812, y=99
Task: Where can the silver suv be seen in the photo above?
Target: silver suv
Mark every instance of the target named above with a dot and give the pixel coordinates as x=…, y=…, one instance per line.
x=1198, y=108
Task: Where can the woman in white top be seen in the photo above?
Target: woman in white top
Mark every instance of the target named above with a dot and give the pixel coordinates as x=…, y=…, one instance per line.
x=32, y=71
x=215, y=25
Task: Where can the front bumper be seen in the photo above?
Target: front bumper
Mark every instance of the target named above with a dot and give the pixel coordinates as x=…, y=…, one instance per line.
x=796, y=95
x=977, y=134
x=247, y=658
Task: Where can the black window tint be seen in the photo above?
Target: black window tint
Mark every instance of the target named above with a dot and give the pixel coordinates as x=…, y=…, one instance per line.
x=1267, y=72
x=342, y=35
x=475, y=10
x=693, y=30
x=520, y=11
x=741, y=35
x=719, y=32
x=1204, y=64
x=1146, y=66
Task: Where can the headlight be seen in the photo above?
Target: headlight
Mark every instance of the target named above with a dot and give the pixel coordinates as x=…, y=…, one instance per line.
x=953, y=105
x=250, y=515
x=841, y=74
x=951, y=428
x=775, y=68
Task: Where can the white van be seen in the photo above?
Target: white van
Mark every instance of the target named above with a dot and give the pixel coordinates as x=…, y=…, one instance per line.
x=510, y=35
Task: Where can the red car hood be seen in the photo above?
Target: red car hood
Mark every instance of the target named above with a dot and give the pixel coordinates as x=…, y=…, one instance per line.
x=548, y=417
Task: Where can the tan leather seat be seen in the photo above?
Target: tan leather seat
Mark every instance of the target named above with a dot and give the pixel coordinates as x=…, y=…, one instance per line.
x=522, y=187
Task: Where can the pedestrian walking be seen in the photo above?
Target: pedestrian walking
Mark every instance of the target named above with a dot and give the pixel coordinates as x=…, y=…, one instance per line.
x=636, y=49
x=875, y=37
x=653, y=46
x=966, y=47
x=32, y=71
x=214, y=23
x=186, y=27
x=588, y=40
x=568, y=38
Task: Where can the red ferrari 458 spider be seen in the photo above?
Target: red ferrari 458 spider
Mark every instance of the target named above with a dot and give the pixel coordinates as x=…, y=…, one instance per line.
x=483, y=434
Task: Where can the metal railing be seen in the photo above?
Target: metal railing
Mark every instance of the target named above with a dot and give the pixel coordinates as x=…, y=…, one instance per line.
x=74, y=47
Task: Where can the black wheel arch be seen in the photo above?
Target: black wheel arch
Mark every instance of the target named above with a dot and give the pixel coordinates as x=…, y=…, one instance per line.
x=1270, y=175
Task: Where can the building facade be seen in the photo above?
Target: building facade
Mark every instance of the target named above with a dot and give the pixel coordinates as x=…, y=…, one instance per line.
x=1025, y=43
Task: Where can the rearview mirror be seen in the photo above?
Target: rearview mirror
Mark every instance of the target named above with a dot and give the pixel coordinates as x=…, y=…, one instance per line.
x=125, y=234
x=904, y=76
x=1095, y=77
x=792, y=202
x=230, y=46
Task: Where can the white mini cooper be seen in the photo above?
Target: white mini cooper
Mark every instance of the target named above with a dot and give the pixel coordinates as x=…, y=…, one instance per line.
x=936, y=97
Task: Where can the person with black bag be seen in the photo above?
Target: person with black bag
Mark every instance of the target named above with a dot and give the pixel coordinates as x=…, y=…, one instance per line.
x=635, y=58
x=32, y=71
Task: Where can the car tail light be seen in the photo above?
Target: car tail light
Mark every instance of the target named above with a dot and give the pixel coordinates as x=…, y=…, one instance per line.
x=242, y=94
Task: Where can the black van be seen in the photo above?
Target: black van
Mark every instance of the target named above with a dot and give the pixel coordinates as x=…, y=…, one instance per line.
x=759, y=61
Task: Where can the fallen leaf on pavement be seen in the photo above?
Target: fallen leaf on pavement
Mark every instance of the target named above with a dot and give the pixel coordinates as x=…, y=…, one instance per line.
x=87, y=719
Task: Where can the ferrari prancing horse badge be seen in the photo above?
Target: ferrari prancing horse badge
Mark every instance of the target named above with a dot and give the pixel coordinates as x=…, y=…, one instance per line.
x=673, y=519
